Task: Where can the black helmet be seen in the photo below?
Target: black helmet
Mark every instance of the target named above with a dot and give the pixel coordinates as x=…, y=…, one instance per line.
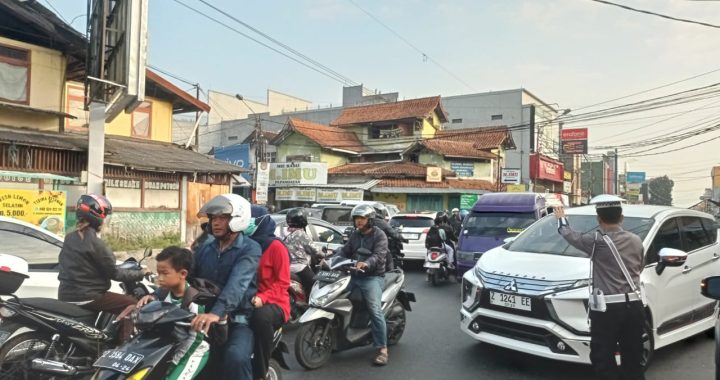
x=380, y=210
x=365, y=211
x=93, y=209
x=296, y=218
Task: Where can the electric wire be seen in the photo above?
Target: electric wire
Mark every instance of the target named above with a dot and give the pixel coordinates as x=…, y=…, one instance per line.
x=658, y=14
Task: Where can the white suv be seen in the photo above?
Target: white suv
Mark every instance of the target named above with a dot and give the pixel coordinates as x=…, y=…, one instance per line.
x=530, y=294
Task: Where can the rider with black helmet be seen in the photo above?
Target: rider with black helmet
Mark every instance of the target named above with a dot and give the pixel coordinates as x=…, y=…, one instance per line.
x=299, y=244
x=86, y=264
x=395, y=239
x=371, y=280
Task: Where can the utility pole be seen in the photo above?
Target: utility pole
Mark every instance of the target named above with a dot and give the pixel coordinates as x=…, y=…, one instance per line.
x=615, y=172
x=197, y=118
x=258, y=140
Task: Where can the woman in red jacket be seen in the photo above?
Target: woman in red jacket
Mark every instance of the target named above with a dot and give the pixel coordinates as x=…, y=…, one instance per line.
x=272, y=302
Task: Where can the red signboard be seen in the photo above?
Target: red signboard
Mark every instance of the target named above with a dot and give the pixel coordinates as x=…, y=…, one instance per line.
x=546, y=168
x=574, y=134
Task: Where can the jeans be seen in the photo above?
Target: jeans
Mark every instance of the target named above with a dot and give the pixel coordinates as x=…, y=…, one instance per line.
x=237, y=363
x=371, y=288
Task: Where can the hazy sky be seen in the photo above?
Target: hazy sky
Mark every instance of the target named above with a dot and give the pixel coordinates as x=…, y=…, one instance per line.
x=571, y=52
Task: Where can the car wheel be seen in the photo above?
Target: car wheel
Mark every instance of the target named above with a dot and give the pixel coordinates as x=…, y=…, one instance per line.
x=648, y=345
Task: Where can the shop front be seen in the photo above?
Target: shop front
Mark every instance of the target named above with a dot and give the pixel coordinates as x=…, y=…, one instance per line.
x=547, y=174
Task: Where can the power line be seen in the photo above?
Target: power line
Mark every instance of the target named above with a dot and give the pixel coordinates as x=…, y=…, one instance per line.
x=658, y=14
x=211, y=18
x=425, y=56
x=56, y=11
x=174, y=76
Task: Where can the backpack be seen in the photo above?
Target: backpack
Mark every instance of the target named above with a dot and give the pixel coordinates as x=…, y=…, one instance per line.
x=435, y=237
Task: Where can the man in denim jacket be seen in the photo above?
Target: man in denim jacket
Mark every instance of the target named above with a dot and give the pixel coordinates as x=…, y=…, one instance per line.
x=230, y=259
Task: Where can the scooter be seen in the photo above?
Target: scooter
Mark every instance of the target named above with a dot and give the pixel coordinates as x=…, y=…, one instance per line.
x=436, y=262
x=338, y=319
x=298, y=298
x=50, y=337
x=164, y=338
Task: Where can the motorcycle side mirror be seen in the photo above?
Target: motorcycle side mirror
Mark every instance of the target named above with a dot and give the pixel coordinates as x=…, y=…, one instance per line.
x=670, y=257
x=147, y=253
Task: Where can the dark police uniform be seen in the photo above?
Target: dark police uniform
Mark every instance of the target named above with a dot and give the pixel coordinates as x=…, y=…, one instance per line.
x=623, y=321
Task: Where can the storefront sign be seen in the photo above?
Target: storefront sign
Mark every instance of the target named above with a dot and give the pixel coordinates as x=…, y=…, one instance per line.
x=434, y=174
x=463, y=169
x=298, y=173
x=574, y=147
x=262, y=182
x=41, y=208
x=567, y=175
x=518, y=188
x=567, y=187
x=574, y=134
x=635, y=177
x=238, y=155
x=339, y=195
x=157, y=185
x=509, y=175
x=546, y=168
x=467, y=201
x=122, y=183
x=16, y=179
x=293, y=194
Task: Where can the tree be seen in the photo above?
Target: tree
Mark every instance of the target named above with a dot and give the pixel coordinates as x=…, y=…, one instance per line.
x=660, y=191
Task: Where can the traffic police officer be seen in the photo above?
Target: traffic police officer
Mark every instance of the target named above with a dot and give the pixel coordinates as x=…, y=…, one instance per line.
x=620, y=317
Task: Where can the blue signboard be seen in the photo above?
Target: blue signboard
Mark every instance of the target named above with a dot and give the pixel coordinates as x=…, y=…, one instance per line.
x=463, y=169
x=635, y=177
x=236, y=155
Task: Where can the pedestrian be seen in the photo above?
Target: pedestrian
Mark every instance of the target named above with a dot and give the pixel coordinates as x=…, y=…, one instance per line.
x=617, y=315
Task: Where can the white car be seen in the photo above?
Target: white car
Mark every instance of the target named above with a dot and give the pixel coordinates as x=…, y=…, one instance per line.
x=413, y=227
x=41, y=249
x=530, y=295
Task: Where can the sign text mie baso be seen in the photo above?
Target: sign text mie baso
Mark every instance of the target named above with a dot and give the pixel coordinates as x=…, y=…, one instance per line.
x=298, y=173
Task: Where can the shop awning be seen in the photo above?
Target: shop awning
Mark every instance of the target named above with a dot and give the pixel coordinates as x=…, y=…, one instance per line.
x=8, y=173
x=360, y=186
x=238, y=180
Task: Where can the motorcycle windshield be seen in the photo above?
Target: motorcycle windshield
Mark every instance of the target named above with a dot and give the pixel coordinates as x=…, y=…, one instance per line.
x=157, y=312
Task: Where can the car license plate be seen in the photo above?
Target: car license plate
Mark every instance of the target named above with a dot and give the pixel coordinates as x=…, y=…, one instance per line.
x=410, y=236
x=118, y=360
x=510, y=300
x=432, y=265
x=329, y=276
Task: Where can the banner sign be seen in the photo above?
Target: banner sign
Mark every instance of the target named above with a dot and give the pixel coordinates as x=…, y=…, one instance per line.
x=519, y=188
x=510, y=175
x=574, y=146
x=434, y=174
x=574, y=134
x=262, y=182
x=45, y=209
x=238, y=155
x=339, y=195
x=463, y=169
x=542, y=167
x=298, y=173
x=293, y=194
x=467, y=201
x=635, y=177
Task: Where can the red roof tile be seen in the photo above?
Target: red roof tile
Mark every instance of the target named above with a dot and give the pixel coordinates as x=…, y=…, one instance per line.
x=449, y=183
x=482, y=137
x=326, y=136
x=451, y=148
x=406, y=109
x=385, y=170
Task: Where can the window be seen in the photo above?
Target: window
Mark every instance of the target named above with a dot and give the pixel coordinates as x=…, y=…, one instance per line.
x=411, y=222
x=388, y=132
x=456, y=121
x=232, y=138
x=712, y=229
x=324, y=233
x=75, y=105
x=496, y=117
x=693, y=234
x=14, y=74
x=299, y=157
x=142, y=121
x=668, y=236
x=34, y=250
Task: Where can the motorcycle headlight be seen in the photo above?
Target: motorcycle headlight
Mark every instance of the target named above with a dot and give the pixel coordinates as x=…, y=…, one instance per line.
x=320, y=295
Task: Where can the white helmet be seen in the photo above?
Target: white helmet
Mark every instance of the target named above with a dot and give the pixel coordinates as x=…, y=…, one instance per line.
x=231, y=204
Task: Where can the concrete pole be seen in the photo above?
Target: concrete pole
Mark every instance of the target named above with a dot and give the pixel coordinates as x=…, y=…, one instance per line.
x=96, y=149
x=183, y=208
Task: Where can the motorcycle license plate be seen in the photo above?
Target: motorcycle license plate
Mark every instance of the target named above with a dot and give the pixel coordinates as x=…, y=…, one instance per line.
x=118, y=360
x=511, y=301
x=328, y=276
x=432, y=265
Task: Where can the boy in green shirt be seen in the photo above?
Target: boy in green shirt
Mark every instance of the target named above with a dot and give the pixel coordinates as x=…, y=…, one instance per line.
x=173, y=266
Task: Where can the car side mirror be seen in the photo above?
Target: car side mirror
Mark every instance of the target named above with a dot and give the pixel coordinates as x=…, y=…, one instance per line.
x=509, y=239
x=710, y=287
x=670, y=257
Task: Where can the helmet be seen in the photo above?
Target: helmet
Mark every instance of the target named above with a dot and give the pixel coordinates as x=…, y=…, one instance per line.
x=440, y=218
x=365, y=211
x=230, y=204
x=380, y=210
x=94, y=209
x=455, y=210
x=296, y=218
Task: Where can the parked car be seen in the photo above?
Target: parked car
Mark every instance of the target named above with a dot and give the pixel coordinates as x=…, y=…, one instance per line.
x=389, y=209
x=543, y=283
x=323, y=233
x=338, y=216
x=41, y=249
x=310, y=211
x=414, y=228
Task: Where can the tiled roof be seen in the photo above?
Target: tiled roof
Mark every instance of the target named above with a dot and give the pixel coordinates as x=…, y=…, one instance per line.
x=482, y=137
x=450, y=148
x=406, y=109
x=448, y=183
x=385, y=169
x=326, y=136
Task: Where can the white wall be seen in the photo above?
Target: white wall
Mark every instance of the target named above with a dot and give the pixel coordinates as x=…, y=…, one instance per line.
x=162, y=198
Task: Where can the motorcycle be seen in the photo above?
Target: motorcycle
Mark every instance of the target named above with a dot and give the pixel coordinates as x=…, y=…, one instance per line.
x=436, y=262
x=298, y=298
x=44, y=337
x=337, y=319
x=164, y=337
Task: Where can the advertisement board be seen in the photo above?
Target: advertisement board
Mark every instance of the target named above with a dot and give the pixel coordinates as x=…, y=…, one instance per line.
x=339, y=195
x=467, y=201
x=298, y=173
x=463, y=169
x=635, y=177
x=510, y=175
x=45, y=209
x=261, y=183
x=238, y=155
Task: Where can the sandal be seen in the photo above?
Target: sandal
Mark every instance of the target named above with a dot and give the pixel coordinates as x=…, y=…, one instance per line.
x=381, y=358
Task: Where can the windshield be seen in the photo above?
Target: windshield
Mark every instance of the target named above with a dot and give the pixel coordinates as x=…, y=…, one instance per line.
x=497, y=223
x=543, y=236
x=337, y=215
x=410, y=222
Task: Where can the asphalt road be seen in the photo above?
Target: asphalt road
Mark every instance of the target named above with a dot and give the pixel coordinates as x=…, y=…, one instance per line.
x=433, y=347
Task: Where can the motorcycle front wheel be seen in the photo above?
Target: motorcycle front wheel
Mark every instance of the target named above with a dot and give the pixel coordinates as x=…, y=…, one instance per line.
x=311, y=349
